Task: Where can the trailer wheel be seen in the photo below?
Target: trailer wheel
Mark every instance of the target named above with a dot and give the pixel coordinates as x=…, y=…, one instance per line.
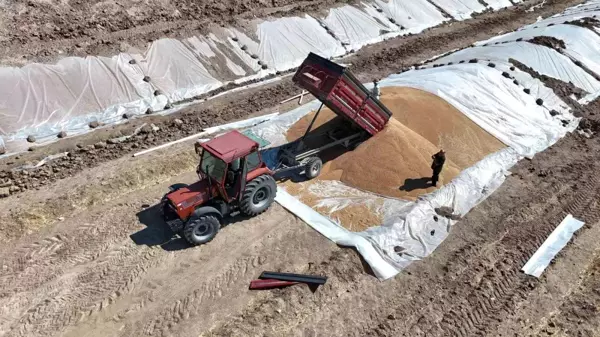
x=200, y=230
x=313, y=167
x=258, y=195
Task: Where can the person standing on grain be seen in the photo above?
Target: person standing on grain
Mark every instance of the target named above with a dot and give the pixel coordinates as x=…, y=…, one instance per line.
x=375, y=90
x=438, y=163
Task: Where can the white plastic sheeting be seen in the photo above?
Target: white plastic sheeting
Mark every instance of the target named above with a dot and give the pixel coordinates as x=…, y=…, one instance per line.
x=498, y=4
x=415, y=15
x=382, y=269
x=416, y=228
x=42, y=100
x=582, y=44
x=175, y=70
x=544, y=60
x=355, y=28
x=557, y=240
x=493, y=102
x=412, y=226
x=45, y=99
x=460, y=9
x=285, y=42
x=565, y=17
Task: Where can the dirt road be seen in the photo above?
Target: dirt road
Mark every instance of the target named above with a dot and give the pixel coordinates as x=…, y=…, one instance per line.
x=83, y=256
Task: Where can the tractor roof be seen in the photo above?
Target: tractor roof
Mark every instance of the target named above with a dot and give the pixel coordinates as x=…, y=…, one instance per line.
x=230, y=146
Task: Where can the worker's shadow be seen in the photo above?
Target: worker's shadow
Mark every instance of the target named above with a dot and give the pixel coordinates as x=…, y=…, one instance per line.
x=416, y=184
x=158, y=233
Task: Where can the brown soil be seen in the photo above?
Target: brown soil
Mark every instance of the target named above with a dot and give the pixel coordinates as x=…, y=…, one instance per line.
x=102, y=267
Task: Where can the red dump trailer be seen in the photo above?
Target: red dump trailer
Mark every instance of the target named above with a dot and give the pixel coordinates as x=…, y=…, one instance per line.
x=363, y=115
x=341, y=92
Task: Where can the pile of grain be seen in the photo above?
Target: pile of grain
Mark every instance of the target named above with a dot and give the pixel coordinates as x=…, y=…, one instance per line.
x=442, y=124
x=396, y=162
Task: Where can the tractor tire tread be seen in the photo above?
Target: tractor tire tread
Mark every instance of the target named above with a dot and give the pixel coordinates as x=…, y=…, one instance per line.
x=250, y=187
x=188, y=231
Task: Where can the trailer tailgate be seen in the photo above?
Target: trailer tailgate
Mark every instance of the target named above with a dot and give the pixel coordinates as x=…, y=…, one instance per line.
x=341, y=92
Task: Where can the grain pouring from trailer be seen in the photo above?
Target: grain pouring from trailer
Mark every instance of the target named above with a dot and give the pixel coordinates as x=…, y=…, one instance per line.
x=332, y=84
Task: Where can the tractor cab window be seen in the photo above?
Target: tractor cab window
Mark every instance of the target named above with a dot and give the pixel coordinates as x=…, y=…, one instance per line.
x=253, y=161
x=213, y=166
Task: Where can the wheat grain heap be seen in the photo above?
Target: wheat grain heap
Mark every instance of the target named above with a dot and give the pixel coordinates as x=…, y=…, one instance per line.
x=397, y=161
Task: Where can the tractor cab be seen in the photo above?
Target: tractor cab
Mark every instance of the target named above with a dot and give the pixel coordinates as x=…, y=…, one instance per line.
x=226, y=160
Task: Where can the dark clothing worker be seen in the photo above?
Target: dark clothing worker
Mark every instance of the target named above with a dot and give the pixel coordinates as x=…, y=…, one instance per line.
x=438, y=163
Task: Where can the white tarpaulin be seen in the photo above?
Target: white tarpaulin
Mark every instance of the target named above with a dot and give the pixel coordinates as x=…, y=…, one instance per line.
x=563, y=18
x=460, y=9
x=415, y=15
x=43, y=100
x=285, y=42
x=355, y=28
x=412, y=226
x=175, y=71
x=582, y=44
x=498, y=4
x=545, y=61
x=493, y=102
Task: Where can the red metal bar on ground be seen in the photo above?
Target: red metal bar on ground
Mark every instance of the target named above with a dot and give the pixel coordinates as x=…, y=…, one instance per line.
x=269, y=283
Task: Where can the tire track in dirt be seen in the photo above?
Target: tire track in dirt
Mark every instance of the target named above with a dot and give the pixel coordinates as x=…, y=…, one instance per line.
x=578, y=315
x=498, y=290
x=90, y=291
x=183, y=314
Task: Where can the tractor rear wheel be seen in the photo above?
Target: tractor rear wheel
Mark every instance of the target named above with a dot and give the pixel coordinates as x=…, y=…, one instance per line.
x=202, y=229
x=313, y=167
x=258, y=195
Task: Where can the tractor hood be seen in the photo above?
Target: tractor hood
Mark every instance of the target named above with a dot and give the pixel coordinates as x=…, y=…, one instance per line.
x=191, y=196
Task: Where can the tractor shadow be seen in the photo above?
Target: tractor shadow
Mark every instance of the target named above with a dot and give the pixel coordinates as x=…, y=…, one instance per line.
x=158, y=233
x=416, y=184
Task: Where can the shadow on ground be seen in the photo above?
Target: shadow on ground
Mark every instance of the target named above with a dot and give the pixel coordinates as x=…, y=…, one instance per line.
x=416, y=184
x=158, y=233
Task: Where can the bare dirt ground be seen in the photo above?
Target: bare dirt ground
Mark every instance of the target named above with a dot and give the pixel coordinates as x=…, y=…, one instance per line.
x=81, y=255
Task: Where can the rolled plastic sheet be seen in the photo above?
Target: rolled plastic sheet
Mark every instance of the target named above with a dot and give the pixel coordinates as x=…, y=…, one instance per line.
x=557, y=240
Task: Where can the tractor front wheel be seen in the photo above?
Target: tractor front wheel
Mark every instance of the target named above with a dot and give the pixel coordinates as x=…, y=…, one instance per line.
x=200, y=230
x=258, y=195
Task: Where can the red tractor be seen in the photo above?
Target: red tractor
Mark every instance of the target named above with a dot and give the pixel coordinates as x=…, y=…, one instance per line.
x=233, y=178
